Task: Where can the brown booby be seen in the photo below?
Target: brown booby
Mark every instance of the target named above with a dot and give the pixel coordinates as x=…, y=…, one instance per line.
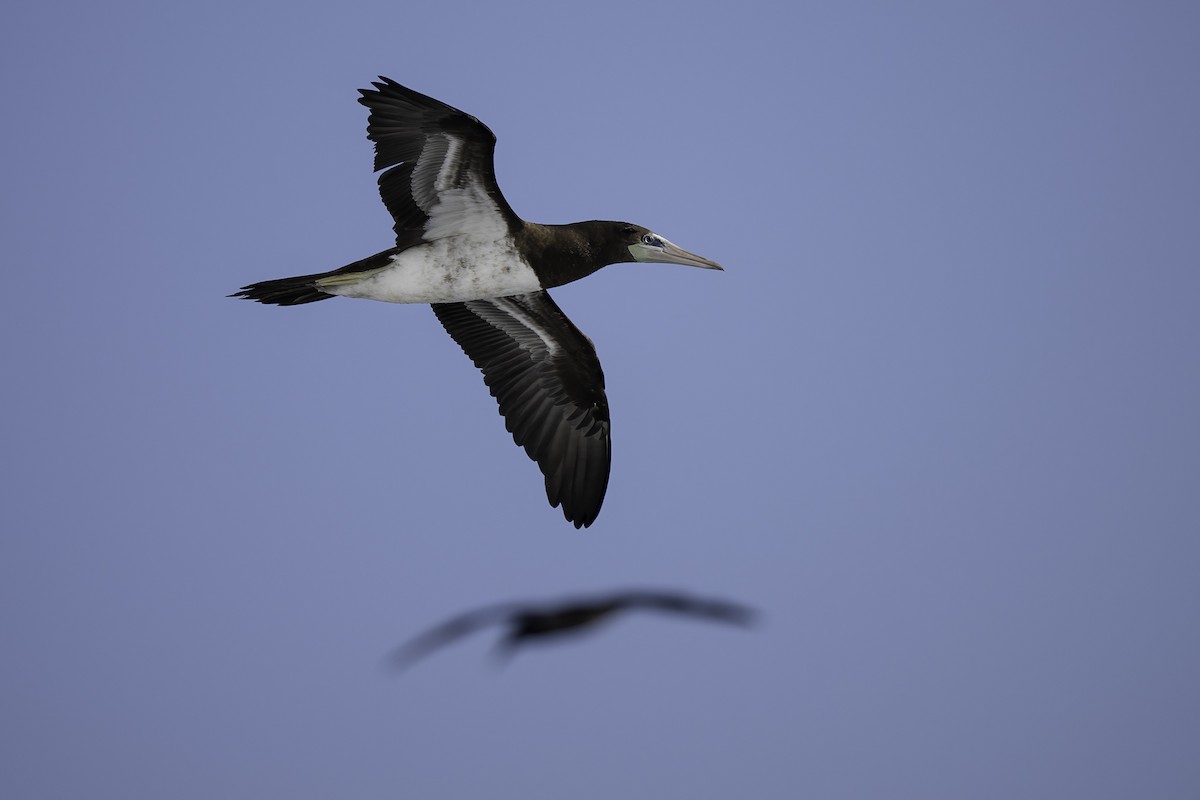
x=462, y=249
x=525, y=621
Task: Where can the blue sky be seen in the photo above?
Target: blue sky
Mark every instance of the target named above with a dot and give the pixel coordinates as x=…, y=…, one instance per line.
x=937, y=420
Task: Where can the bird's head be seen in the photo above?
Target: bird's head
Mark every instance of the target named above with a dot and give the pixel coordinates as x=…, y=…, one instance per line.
x=646, y=245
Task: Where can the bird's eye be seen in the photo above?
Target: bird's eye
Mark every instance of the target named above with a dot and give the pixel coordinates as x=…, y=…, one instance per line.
x=652, y=240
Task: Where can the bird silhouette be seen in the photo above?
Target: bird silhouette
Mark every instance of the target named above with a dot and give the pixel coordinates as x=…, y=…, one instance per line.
x=525, y=622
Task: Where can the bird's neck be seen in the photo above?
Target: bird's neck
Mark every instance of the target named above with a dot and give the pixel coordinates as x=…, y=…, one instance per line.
x=560, y=253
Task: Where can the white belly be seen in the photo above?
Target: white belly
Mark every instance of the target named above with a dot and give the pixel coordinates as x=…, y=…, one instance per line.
x=448, y=270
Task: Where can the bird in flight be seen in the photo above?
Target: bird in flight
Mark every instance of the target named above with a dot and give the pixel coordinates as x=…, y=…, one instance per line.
x=461, y=248
x=525, y=622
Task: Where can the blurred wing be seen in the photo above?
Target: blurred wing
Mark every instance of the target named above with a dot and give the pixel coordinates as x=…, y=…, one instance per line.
x=442, y=180
x=717, y=610
x=547, y=379
x=449, y=631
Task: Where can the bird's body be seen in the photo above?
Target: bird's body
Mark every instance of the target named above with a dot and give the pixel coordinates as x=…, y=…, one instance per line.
x=462, y=249
x=525, y=621
x=447, y=270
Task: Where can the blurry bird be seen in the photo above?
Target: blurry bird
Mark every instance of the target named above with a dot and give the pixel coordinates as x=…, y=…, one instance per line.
x=461, y=247
x=525, y=621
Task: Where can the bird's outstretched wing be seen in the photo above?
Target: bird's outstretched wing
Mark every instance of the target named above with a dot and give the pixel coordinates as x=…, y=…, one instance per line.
x=440, y=179
x=547, y=379
x=678, y=603
x=449, y=631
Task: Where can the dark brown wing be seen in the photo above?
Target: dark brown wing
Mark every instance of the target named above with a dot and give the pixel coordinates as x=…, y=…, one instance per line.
x=449, y=631
x=442, y=179
x=547, y=379
x=677, y=603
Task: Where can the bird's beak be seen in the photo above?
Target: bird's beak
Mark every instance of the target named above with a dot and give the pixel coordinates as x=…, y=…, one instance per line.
x=670, y=253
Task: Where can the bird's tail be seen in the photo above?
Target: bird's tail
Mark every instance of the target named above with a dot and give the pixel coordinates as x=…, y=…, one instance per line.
x=285, y=291
x=307, y=288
